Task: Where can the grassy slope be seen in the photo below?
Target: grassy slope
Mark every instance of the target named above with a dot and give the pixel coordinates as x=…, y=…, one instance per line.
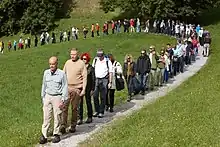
x=21, y=76
x=188, y=116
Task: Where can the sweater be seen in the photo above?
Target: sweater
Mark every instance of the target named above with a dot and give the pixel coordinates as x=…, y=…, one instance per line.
x=76, y=72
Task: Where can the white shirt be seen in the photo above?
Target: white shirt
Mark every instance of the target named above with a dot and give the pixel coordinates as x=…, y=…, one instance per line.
x=101, y=69
x=177, y=29
x=187, y=31
x=181, y=28
x=200, y=33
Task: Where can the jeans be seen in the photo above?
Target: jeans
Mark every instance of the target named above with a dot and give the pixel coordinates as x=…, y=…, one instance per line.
x=100, y=87
x=166, y=75
x=129, y=85
x=143, y=80
x=180, y=64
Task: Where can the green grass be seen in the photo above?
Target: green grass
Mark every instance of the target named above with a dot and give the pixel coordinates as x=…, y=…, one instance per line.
x=21, y=77
x=187, y=116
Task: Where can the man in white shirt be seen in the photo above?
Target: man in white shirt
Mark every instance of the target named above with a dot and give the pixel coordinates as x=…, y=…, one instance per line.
x=103, y=73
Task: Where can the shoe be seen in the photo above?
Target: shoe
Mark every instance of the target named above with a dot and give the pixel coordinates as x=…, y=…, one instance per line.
x=72, y=130
x=63, y=130
x=111, y=110
x=95, y=114
x=129, y=98
x=142, y=92
x=100, y=115
x=89, y=120
x=43, y=140
x=107, y=108
x=56, y=138
x=80, y=121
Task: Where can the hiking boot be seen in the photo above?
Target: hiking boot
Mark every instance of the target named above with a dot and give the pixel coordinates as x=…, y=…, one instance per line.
x=72, y=130
x=129, y=98
x=80, y=121
x=111, y=110
x=100, y=115
x=56, y=138
x=142, y=93
x=106, y=108
x=63, y=130
x=43, y=140
x=89, y=120
x=95, y=114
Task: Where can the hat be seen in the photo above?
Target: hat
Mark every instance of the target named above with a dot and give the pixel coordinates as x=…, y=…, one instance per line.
x=100, y=53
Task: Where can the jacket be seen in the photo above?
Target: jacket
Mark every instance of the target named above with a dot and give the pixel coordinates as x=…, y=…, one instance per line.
x=143, y=64
x=90, y=78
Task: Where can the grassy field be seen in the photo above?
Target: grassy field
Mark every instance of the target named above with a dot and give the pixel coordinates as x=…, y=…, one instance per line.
x=21, y=77
x=187, y=116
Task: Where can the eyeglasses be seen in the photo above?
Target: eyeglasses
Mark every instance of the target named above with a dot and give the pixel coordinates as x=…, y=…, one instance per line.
x=84, y=58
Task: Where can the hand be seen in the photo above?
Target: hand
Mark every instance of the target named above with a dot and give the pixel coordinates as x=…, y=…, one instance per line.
x=61, y=105
x=136, y=74
x=82, y=93
x=109, y=85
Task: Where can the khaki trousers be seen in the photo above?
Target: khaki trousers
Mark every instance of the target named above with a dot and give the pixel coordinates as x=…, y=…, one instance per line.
x=74, y=100
x=51, y=103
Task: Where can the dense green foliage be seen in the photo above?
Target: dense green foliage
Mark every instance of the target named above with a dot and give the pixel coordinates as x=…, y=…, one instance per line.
x=159, y=9
x=31, y=16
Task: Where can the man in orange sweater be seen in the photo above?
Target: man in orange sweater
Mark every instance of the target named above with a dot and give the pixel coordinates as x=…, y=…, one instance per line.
x=76, y=72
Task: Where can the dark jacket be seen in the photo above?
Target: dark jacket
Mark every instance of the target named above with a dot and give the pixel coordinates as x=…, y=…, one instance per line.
x=90, y=78
x=207, y=40
x=143, y=64
x=125, y=69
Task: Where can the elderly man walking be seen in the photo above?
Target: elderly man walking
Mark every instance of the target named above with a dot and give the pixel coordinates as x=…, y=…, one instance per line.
x=103, y=74
x=54, y=94
x=76, y=72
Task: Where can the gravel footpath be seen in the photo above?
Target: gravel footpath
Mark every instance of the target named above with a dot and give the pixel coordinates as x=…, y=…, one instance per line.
x=86, y=130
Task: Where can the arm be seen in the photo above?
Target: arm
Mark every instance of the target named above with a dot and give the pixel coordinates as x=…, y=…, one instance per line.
x=134, y=68
x=43, y=88
x=93, y=78
x=64, y=88
x=137, y=69
x=110, y=70
x=84, y=75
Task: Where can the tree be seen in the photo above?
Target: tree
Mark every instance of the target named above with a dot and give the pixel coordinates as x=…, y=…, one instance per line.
x=159, y=9
x=31, y=16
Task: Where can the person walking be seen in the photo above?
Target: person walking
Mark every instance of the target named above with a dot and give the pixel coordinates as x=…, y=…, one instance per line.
x=77, y=80
x=143, y=69
x=54, y=94
x=103, y=74
x=90, y=87
x=117, y=71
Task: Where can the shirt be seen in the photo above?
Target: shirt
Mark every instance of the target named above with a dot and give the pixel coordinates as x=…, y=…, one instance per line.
x=76, y=72
x=54, y=84
x=101, y=69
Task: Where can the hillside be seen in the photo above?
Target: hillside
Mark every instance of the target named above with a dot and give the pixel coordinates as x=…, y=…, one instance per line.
x=187, y=116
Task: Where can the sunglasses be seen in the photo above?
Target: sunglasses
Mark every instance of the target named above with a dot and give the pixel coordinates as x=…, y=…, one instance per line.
x=84, y=59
